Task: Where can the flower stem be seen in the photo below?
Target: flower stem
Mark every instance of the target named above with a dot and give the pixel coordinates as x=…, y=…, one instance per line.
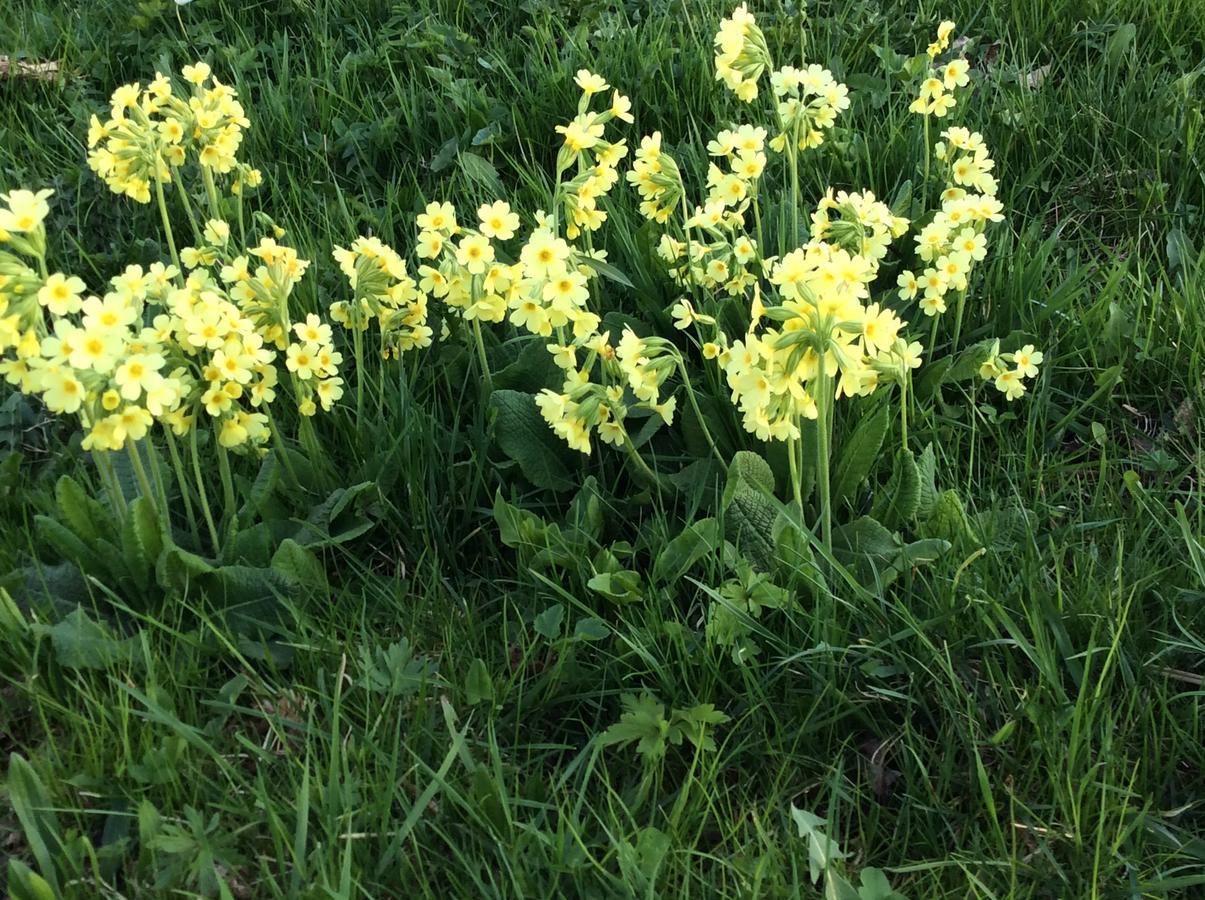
x=652, y=477
x=824, y=402
x=796, y=480
x=144, y=483
x=104, y=466
x=904, y=411
x=962, y=296
x=182, y=483
x=694, y=405
x=357, y=342
x=201, y=492
x=167, y=225
x=485, y=366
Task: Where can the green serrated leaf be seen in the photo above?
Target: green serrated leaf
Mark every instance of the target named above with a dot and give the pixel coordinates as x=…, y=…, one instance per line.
x=899, y=500
x=750, y=468
x=148, y=532
x=76, y=508
x=860, y=452
x=70, y=547
x=927, y=472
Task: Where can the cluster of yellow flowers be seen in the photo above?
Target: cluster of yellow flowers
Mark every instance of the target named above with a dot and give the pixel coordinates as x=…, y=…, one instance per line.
x=165, y=343
x=595, y=158
x=546, y=290
x=384, y=292
x=936, y=97
x=583, y=406
x=152, y=131
x=741, y=53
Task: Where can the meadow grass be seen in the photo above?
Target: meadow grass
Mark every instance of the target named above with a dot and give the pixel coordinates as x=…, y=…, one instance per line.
x=1021, y=719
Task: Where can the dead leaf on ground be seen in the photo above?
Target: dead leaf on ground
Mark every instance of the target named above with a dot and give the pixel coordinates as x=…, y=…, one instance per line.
x=19, y=68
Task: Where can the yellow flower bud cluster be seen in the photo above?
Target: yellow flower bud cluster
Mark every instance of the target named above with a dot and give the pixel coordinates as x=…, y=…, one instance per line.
x=384, y=292
x=152, y=131
x=741, y=55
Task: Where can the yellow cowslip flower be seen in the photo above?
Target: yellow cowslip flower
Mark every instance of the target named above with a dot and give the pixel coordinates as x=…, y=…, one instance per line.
x=60, y=294
x=26, y=210
x=589, y=82
x=475, y=253
x=497, y=220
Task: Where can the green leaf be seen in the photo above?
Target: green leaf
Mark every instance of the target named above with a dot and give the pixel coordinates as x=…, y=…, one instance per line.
x=608, y=271
x=860, y=452
x=35, y=812
x=875, y=886
x=590, y=629
x=823, y=851
x=697, y=540
x=927, y=489
x=693, y=723
x=899, y=501
x=178, y=569
x=263, y=486
x=480, y=170
x=643, y=721
x=299, y=565
x=948, y=520
x=525, y=437
x=752, y=469
x=147, y=532
x=81, y=643
x=68, y=545
x=78, y=509
x=549, y=622
x=394, y=670
x=1120, y=43
x=26, y=884
x=478, y=686
x=968, y=363
x=621, y=587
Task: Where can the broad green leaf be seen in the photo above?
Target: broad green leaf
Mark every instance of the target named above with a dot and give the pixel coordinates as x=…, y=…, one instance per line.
x=478, y=686
x=550, y=621
x=696, y=541
x=77, y=508
x=753, y=470
x=899, y=499
x=148, y=532
x=622, y=586
x=299, y=565
x=927, y=472
x=968, y=363
x=81, y=643
x=860, y=452
x=590, y=629
x=177, y=569
x=526, y=438
x=749, y=524
x=70, y=547
x=480, y=170
x=948, y=520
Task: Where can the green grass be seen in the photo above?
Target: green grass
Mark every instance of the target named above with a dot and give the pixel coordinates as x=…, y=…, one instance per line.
x=1021, y=722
